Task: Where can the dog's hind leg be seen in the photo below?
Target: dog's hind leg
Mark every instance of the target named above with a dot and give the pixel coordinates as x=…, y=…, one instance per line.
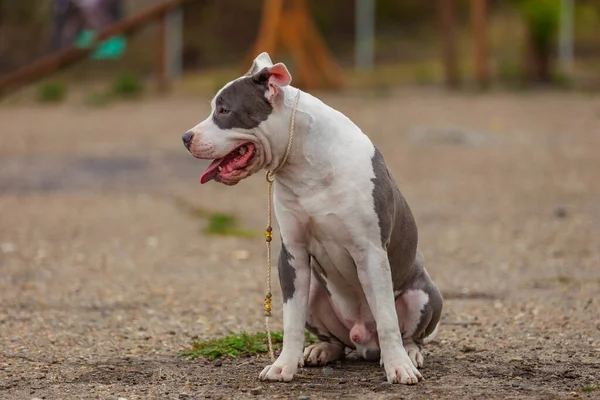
x=324, y=324
x=323, y=353
x=419, y=308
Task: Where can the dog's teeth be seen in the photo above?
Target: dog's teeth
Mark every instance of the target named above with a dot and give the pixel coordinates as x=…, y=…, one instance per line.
x=220, y=168
x=243, y=151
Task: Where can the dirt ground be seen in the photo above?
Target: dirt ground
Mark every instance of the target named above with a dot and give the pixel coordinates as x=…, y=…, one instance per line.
x=105, y=274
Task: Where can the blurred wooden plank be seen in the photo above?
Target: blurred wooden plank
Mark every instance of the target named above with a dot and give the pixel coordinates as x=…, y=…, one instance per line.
x=64, y=58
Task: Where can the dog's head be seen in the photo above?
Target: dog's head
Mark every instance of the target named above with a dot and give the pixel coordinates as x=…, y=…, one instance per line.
x=237, y=135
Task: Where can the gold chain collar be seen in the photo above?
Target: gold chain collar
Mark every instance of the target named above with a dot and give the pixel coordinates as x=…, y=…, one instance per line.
x=270, y=176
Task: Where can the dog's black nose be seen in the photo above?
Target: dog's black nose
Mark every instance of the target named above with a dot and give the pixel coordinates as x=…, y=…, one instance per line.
x=187, y=139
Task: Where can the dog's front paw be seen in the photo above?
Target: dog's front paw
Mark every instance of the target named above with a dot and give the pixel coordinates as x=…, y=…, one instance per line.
x=402, y=370
x=279, y=372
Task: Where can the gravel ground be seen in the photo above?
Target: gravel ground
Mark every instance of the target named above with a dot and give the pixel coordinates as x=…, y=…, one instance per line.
x=105, y=274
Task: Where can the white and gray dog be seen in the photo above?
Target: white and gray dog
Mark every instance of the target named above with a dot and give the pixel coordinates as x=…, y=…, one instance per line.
x=349, y=267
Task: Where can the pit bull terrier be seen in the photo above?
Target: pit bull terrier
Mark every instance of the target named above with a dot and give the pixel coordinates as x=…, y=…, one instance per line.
x=349, y=267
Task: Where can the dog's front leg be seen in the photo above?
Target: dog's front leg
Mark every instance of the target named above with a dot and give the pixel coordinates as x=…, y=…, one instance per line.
x=376, y=280
x=294, y=277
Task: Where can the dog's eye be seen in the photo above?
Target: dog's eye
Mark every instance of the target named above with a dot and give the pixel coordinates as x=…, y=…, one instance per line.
x=223, y=111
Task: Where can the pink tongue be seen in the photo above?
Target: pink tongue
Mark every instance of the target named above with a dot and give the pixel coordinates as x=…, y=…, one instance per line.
x=211, y=171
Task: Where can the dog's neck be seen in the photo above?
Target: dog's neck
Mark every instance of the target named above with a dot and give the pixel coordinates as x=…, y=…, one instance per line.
x=314, y=143
x=276, y=132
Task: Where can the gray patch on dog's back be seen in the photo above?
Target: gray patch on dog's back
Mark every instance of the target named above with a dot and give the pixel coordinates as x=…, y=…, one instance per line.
x=245, y=99
x=399, y=234
x=287, y=274
x=383, y=196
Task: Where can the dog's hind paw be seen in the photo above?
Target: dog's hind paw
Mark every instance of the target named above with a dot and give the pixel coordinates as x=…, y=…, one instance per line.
x=415, y=354
x=322, y=353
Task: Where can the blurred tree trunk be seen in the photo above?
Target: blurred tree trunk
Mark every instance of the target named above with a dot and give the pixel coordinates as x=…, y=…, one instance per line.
x=447, y=25
x=541, y=18
x=538, y=61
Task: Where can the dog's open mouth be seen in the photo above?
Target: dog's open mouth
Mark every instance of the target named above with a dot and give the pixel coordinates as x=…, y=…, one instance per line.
x=231, y=165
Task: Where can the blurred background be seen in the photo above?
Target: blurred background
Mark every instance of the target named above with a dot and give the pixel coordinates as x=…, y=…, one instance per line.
x=511, y=43
x=487, y=113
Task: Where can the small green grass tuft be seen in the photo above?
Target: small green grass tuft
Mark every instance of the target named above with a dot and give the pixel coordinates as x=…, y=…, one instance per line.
x=424, y=74
x=127, y=85
x=564, y=279
x=52, y=92
x=590, y=388
x=225, y=224
x=236, y=345
x=98, y=99
x=222, y=224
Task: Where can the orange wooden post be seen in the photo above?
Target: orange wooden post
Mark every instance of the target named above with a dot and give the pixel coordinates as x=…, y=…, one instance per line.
x=478, y=21
x=446, y=25
x=267, y=36
x=287, y=25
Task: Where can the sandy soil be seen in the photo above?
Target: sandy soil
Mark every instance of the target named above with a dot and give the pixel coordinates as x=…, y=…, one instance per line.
x=105, y=274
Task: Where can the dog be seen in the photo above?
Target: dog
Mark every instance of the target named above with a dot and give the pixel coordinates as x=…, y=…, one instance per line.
x=349, y=267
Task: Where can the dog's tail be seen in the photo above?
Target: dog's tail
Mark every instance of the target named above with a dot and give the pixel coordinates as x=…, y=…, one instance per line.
x=433, y=334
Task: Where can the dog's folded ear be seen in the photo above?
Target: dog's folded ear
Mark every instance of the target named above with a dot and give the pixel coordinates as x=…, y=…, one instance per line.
x=279, y=75
x=276, y=76
x=261, y=61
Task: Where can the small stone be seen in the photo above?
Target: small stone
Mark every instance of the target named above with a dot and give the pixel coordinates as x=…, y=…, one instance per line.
x=184, y=396
x=304, y=397
x=240, y=255
x=382, y=387
x=342, y=381
x=256, y=391
x=8, y=247
x=516, y=359
x=560, y=212
x=468, y=349
x=218, y=362
x=570, y=374
x=329, y=371
x=516, y=384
